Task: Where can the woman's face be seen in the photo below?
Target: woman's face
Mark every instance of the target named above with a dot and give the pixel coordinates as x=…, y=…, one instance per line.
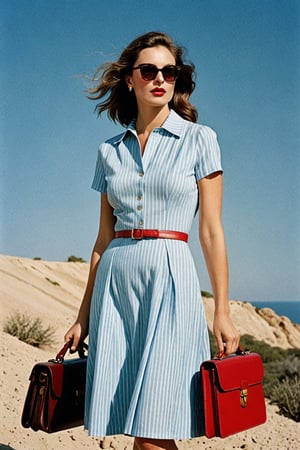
x=156, y=92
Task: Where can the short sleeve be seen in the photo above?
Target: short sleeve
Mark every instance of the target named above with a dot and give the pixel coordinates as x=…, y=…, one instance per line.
x=208, y=153
x=99, y=181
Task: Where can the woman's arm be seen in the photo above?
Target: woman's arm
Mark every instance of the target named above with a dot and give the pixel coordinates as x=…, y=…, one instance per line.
x=212, y=240
x=79, y=330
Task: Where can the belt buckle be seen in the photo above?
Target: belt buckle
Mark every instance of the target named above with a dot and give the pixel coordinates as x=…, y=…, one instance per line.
x=134, y=236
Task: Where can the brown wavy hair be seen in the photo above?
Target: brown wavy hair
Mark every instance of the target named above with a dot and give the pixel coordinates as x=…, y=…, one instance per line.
x=111, y=88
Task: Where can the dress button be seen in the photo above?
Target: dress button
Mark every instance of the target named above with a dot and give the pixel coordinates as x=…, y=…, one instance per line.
x=139, y=198
x=141, y=174
x=139, y=207
x=141, y=222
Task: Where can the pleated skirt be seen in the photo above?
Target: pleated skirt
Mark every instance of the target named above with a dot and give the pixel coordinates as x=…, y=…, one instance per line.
x=147, y=339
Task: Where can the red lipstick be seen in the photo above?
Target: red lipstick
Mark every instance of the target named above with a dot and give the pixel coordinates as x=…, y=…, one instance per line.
x=158, y=92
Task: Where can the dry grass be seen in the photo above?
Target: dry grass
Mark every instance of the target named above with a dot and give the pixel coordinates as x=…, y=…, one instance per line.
x=29, y=330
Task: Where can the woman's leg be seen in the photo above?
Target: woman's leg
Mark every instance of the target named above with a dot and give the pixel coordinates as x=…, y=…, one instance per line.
x=154, y=444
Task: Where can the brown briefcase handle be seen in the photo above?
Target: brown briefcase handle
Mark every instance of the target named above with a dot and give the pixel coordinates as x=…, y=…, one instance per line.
x=80, y=349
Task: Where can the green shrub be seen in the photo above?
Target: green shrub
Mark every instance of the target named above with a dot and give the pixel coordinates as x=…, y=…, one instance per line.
x=29, y=330
x=73, y=258
x=289, y=366
x=55, y=283
x=277, y=371
x=286, y=394
x=206, y=294
x=266, y=351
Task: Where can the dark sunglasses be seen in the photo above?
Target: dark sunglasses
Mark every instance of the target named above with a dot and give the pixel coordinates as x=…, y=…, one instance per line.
x=150, y=71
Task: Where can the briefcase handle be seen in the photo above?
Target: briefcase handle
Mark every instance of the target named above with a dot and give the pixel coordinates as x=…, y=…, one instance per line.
x=239, y=351
x=80, y=349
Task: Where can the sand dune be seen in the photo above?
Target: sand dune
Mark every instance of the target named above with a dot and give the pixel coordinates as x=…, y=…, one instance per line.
x=52, y=291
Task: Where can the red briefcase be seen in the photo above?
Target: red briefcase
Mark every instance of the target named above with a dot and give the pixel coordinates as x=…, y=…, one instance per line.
x=56, y=394
x=233, y=393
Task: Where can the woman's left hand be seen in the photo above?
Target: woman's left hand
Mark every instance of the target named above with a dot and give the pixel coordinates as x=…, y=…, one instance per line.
x=226, y=334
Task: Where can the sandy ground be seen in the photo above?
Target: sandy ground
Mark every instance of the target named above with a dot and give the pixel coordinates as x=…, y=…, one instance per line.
x=52, y=291
x=17, y=359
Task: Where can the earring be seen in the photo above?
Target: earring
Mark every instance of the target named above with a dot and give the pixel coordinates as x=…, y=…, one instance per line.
x=130, y=88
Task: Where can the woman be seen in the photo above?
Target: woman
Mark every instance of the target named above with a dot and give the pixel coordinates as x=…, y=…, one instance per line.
x=142, y=306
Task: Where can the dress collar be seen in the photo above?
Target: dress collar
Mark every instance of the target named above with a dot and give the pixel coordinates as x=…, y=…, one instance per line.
x=173, y=124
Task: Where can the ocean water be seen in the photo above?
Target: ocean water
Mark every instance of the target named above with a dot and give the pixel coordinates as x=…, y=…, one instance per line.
x=291, y=309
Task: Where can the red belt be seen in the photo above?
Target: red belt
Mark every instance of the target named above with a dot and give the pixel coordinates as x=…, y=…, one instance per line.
x=139, y=233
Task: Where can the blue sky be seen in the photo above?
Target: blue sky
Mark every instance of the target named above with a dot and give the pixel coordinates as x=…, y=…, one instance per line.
x=247, y=57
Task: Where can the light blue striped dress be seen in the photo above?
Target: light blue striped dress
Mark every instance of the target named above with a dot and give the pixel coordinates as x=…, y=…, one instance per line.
x=148, y=333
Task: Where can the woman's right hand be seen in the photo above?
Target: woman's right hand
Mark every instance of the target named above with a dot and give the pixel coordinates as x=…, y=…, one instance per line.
x=77, y=333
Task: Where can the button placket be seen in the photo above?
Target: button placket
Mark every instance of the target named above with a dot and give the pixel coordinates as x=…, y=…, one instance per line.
x=139, y=199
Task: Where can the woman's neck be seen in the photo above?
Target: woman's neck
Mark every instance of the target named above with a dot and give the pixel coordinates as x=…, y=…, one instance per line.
x=147, y=121
x=150, y=119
